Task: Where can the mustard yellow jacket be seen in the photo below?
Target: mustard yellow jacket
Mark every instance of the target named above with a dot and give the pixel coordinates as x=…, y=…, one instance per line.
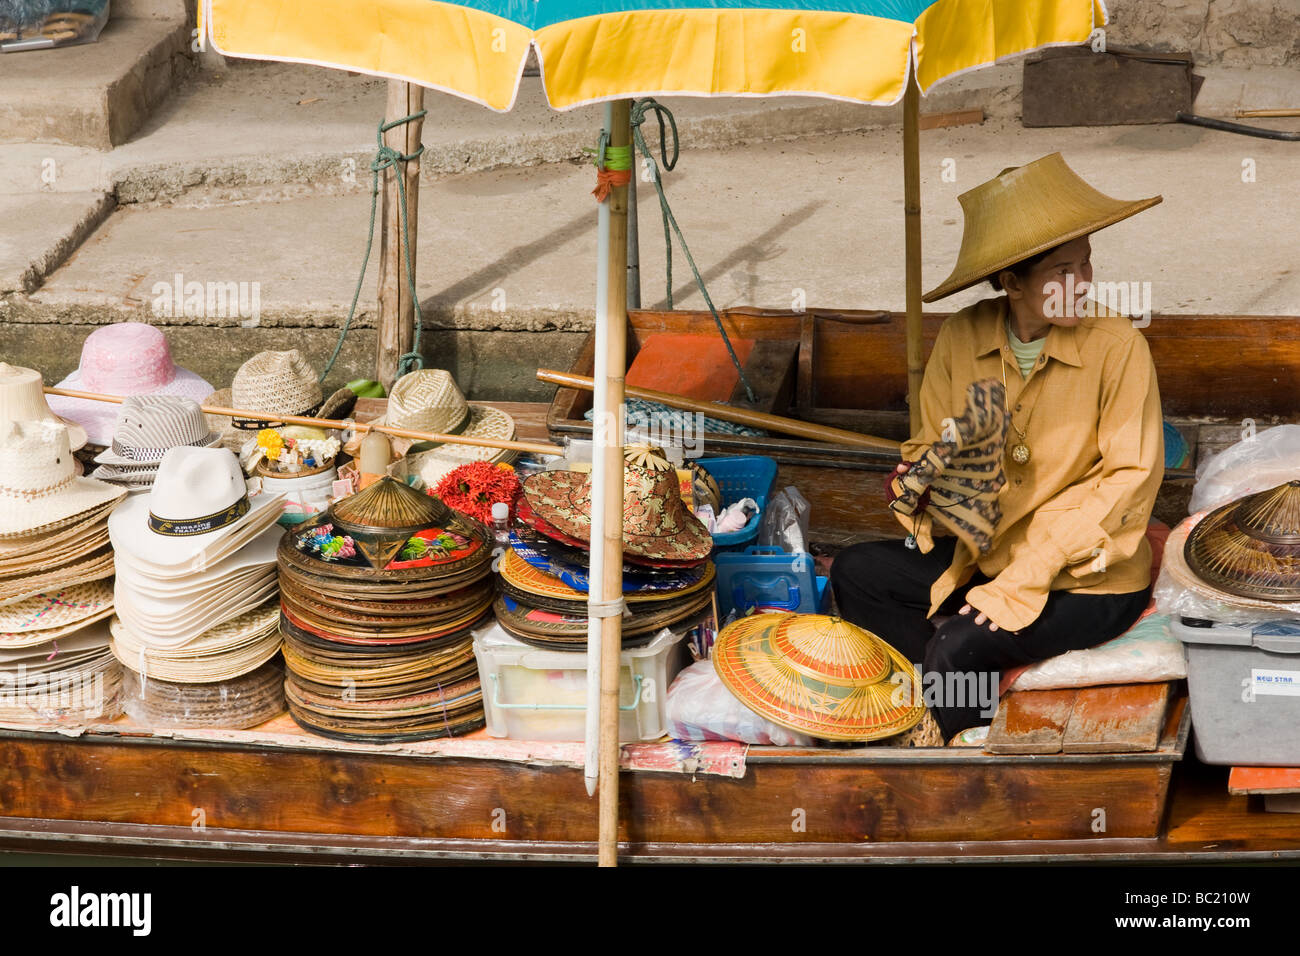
x=1074, y=517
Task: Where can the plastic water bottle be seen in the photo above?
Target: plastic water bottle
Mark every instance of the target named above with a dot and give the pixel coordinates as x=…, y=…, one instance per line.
x=500, y=527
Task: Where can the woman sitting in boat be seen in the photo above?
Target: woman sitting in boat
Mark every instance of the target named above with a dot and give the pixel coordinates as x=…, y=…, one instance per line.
x=1064, y=563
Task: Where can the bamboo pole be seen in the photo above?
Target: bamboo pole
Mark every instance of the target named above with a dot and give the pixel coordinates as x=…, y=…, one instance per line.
x=912, y=238
x=729, y=413
x=609, y=450
x=537, y=448
x=396, y=332
x=1283, y=112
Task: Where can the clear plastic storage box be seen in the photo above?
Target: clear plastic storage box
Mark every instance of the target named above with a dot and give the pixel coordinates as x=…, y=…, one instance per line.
x=1243, y=684
x=534, y=694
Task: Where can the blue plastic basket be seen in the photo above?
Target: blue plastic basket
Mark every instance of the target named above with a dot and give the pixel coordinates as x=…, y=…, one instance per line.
x=744, y=476
x=770, y=579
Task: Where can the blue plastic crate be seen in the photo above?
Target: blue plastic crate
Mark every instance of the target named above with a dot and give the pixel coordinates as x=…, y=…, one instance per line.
x=743, y=476
x=769, y=578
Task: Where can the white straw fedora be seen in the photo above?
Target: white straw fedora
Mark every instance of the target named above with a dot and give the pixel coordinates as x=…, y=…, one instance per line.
x=39, y=487
x=22, y=399
x=1023, y=211
x=198, y=500
x=148, y=425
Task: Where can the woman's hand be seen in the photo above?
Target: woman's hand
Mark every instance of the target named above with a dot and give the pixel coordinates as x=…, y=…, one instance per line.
x=980, y=616
x=899, y=470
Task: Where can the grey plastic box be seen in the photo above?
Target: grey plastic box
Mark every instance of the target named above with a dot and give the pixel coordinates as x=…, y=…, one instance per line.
x=1243, y=684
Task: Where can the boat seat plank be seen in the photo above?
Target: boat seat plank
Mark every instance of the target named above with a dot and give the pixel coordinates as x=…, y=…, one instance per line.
x=1031, y=722
x=1117, y=718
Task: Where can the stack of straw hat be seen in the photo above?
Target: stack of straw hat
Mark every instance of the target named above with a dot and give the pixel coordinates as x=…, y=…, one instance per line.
x=196, y=588
x=378, y=599
x=544, y=584
x=55, y=581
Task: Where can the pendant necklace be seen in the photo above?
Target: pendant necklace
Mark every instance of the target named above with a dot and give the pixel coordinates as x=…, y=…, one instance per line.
x=1020, y=451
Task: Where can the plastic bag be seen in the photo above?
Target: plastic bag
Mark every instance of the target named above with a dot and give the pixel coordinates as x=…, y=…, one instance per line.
x=1264, y=460
x=786, y=523
x=699, y=707
x=41, y=24
x=1146, y=653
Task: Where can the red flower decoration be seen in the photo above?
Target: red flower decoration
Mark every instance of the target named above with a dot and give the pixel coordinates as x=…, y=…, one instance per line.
x=473, y=488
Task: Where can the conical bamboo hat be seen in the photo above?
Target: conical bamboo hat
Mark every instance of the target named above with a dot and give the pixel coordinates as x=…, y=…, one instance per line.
x=1251, y=547
x=819, y=675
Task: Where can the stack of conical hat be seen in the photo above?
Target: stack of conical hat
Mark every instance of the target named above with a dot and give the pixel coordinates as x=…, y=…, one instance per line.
x=544, y=576
x=378, y=598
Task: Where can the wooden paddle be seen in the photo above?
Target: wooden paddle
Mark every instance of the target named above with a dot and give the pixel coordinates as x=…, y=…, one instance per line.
x=729, y=413
x=537, y=448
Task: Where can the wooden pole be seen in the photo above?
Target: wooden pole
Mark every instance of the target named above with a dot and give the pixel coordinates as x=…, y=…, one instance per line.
x=729, y=413
x=539, y=448
x=912, y=237
x=396, y=332
x=611, y=577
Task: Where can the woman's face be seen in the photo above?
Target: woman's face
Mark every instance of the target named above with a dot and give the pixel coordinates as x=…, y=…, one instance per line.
x=1055, y=289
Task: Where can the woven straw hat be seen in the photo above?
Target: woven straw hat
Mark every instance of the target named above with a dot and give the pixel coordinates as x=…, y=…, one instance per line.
x=278, y=383
x=148, y=425
x=39, y=487
x=1251, y=547
x=126, y=358
x=22, y=399
x=1023, y=211
x=428, y=400
x=819, y=675
x=236, y=703
x=656, y=522
x=57, y=609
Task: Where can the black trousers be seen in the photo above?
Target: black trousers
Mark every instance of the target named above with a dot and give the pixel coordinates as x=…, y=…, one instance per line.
x=884, y=587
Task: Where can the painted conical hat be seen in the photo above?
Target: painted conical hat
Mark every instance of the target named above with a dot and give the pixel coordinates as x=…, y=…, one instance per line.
x=656, y=522
x=1251, y=547
x=384, y=517
x=819, y=675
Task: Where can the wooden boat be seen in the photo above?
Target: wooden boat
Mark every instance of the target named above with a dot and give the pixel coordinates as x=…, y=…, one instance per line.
x=845, y=369
x=1093, y=789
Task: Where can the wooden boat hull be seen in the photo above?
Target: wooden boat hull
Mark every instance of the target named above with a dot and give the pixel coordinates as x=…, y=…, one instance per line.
x=146, y=794
x=1215, y=373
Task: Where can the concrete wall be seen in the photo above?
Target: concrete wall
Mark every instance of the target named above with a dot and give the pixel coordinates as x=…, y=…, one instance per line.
x=1226, y=32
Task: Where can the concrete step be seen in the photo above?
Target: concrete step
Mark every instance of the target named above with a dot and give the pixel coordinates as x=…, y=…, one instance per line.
x=506, y=259
x=53, y=226
x=268, y=130
x=96, y=95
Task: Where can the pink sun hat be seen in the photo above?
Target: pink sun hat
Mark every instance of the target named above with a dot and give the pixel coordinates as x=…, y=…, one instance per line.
x=126, y=358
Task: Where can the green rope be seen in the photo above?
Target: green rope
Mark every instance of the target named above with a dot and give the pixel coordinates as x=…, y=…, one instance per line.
x=388, y=158
x=639, y=109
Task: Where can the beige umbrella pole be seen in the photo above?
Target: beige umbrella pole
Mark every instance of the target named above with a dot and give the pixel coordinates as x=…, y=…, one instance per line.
x=618, y=120
x=912, y=239
x=537, y=448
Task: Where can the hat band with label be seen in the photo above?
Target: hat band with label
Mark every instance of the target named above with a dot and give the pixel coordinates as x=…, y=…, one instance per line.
x=174, y=528
x=153, y=455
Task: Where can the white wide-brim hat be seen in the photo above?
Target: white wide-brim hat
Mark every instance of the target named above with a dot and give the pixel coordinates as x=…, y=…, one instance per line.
x=22, y=399
x=197, y=510
x=39, y=488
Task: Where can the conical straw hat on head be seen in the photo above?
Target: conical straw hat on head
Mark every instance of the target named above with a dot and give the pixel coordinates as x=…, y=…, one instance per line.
x=1026, y=210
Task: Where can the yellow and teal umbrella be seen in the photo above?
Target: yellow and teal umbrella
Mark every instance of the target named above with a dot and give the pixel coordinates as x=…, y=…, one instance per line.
x=865, y=51
x=592, y=50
